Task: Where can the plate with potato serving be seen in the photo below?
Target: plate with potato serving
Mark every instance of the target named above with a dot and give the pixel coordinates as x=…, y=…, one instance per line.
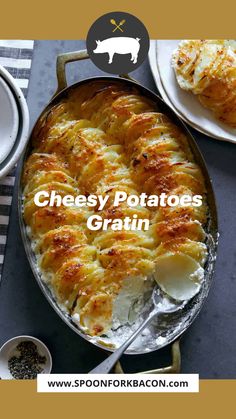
x=197, y=78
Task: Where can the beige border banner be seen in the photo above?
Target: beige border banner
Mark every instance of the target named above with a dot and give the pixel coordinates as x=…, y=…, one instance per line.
x=19, y=399
x=173, y=19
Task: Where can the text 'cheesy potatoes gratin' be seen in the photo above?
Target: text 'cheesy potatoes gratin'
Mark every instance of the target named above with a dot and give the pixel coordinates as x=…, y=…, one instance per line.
x=105, y=137
x=207, y=68
x=95, y=221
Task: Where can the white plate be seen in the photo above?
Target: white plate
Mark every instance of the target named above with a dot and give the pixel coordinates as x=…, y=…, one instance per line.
x=9, y=349
x=22, y=135
x=185, y=104
x=9, y=120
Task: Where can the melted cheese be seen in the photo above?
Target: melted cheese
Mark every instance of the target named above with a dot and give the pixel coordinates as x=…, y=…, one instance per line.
x=101, y=139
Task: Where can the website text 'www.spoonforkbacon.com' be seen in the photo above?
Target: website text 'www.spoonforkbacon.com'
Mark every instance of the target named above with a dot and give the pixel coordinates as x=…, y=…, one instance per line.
x=112, y=383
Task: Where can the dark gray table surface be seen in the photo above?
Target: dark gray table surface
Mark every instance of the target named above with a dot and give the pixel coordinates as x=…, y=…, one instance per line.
x=209, y=346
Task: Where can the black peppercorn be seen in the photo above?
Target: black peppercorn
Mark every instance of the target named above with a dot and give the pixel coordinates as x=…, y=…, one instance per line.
x=28, y=364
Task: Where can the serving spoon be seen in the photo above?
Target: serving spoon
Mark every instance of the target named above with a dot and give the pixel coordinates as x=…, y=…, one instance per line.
x=162, y=304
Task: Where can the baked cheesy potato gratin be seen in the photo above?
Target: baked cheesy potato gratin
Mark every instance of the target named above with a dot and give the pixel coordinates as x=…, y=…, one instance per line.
x=207, y=68
x=101, y=138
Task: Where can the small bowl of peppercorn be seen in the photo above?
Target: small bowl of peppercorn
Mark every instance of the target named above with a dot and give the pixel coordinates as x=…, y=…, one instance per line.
x=23, y=358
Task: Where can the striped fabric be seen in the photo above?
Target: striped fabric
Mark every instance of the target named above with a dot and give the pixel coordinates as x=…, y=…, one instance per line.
x=16, y=57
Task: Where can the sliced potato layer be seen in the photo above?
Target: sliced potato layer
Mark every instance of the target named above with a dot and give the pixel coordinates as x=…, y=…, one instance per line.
x=103, y=138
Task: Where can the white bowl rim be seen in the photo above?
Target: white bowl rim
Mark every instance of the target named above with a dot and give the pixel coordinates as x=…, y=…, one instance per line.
x=11, y=123
x=23, y=108
x=32, y=339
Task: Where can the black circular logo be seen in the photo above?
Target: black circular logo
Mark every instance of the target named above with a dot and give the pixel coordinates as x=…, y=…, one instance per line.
x=118, y=42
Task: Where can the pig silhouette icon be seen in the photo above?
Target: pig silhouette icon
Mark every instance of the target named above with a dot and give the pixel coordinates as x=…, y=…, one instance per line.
x=119, y=45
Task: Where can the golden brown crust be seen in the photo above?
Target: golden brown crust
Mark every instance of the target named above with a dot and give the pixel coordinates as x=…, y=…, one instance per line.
x=105, y=138
x=208, y=69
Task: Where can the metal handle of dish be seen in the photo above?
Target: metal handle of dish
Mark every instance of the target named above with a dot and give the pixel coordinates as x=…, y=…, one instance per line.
x=69, y=57
x=64, y=59
x=174, y=368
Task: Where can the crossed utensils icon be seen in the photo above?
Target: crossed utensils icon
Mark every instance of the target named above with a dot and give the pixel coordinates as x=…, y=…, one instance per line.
x=117, y=25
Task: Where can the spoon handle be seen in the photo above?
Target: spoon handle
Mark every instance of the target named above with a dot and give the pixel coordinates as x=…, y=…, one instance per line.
x=106, y=366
